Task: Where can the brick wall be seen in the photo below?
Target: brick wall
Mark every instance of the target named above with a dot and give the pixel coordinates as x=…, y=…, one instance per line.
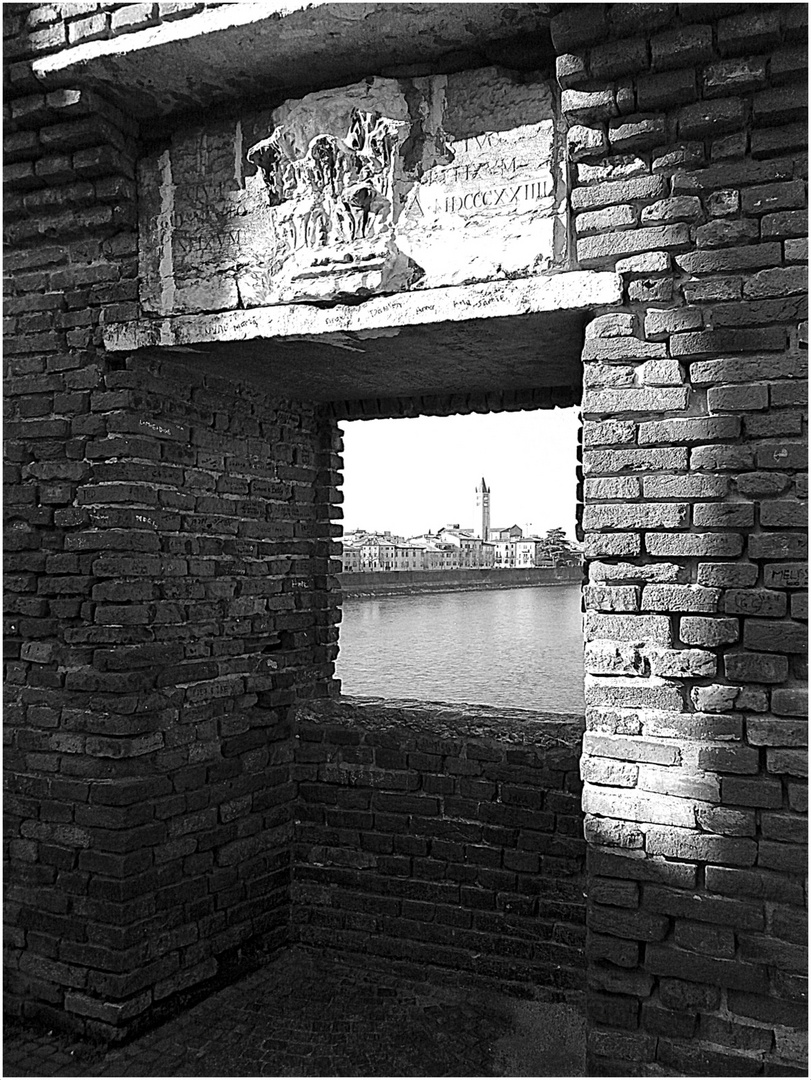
x=39, y=29
x=688, y=129
x=151, y=669
x=442, y=836
x=167, y=594
x=168, y=605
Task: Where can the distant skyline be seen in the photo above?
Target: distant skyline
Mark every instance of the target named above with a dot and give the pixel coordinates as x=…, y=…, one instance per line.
x=412, y=475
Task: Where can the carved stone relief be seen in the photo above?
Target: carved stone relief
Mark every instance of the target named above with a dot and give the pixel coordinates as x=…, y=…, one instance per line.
x=374, y=188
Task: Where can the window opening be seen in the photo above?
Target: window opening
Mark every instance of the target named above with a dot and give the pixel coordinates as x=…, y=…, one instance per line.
x=461, y=571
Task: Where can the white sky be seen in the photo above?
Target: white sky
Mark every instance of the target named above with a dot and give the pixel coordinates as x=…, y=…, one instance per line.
x=412, y=475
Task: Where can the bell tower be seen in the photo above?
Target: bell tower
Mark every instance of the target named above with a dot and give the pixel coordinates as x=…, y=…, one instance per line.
x=483, y=508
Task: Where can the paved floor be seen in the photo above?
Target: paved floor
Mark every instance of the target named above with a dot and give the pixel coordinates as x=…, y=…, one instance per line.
x=308, y=1015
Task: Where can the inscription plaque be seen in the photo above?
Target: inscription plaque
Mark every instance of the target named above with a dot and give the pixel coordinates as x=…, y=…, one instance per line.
x=383, y=186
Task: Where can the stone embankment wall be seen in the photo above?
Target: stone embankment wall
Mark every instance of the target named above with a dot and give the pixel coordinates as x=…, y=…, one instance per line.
x=394, y=582
x=443, y=836
x=688, y=130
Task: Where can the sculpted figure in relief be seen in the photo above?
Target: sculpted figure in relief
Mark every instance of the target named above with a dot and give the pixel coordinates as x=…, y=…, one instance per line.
x=341, y=189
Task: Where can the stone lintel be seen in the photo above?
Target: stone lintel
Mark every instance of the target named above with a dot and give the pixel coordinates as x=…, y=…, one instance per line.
x=379, y=316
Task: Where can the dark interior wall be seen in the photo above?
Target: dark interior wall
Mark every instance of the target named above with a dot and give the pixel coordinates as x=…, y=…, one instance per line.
x=167, y=594
x=442, y=836
x=171, y=604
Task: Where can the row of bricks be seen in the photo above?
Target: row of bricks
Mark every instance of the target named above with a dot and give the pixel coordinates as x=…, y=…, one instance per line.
x=547, y=914
x=618, y=516
x=704, y=599
x=780, y=729
x=697, y=799
x=703, y=545
x=86, y=163
x=732, y=601
x=679, y=842
x=739, y=29
x=49, y=28
x=698, y=74
x=768, y=109
x=620, y=658
x=620, y=692
x=670, y=1018
x=727, y=230
x=709, y=574
x=510, y=970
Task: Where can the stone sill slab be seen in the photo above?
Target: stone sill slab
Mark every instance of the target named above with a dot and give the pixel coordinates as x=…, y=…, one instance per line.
x=449, y=720
x=380, y=316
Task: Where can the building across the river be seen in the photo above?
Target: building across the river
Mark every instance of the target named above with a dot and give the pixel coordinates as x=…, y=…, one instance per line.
x=451, y=548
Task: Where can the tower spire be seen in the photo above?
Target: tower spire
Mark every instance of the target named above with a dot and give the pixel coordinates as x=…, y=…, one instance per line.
x=483, y=504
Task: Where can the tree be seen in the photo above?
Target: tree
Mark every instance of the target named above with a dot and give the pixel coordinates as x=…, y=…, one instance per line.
x=560, y=547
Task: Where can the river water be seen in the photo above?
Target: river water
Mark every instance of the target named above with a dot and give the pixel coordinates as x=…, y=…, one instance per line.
x=517, y=647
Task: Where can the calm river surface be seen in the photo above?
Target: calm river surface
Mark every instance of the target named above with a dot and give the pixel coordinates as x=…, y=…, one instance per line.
x=519, y=647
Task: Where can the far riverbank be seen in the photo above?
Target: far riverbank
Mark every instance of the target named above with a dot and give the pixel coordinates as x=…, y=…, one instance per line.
x=407, y=582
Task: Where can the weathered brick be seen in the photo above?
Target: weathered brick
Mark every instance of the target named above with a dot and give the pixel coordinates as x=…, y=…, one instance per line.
x=635, y=400
x=610, y=217
x=786, y=576
x=631, y=693
x=679, y=598
x=693, y=430
x=708, y=632
x=753, y=257
x=690, y=486
x=636, y=516
x=693, y=544
x=778, y=546
x=773, y=636
x=737, y=398
x=719, y=698
x=680, y=843
x=722, y=458
x=790, y=702
x=681, y=48
x=588, y=104
x=611, y=598
x=666, y=89
x=638, y=132
x=660, y=322
x=634, y=806
x=709, y=118
x=756, y=667
x=619, y=192
x=793, y=762
x=662, y=372
x=641, y=628
x=609, y=432
x=780, y=105
x=594, y=250
x=721, y=233
x=726, y=759
x=724, y=516
x=683, y=663
x=572, y=27
x=734, y=77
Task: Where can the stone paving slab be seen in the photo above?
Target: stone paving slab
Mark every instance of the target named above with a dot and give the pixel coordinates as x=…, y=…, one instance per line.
x=313, y=1015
